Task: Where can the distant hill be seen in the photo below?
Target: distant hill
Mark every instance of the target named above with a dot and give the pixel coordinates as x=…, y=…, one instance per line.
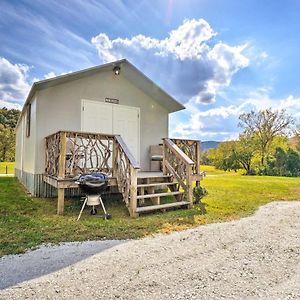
x=209, y=145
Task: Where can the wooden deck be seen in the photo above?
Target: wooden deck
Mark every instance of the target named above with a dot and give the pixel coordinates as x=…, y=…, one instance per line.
x=69, y=154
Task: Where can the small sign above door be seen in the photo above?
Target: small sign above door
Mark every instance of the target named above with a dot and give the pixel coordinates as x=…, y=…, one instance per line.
x=112, y=100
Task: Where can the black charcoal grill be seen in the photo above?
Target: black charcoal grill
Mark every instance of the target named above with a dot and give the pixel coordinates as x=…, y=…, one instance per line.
x=93, y=185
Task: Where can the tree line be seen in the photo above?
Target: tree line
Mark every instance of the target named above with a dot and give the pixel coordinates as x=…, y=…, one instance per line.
x=8, y=122
x=263, y=147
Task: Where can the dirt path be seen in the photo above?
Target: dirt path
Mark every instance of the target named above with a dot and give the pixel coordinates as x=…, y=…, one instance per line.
x=256, y=257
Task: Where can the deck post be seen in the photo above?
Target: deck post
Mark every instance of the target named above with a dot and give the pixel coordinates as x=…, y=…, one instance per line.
x=114, y=158
x=198, y=151
x=61, y=172
x=164, y=159
x=60, y=201
x=189, y=186
x=133, y=192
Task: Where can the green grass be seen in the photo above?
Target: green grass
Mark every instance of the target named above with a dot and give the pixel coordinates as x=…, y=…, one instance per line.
x=27, y=222
x=10, y=167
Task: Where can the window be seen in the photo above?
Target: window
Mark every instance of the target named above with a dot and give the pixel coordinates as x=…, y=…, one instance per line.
x=28, y=119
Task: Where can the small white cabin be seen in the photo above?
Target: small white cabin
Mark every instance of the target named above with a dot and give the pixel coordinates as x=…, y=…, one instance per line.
x=114, y=99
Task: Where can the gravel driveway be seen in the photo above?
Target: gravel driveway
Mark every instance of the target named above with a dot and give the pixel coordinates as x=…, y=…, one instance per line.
x=255, y=257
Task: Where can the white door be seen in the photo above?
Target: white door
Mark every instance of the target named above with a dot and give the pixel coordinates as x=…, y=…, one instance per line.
x=96, y=117
x=126, y=124
x=112, y=119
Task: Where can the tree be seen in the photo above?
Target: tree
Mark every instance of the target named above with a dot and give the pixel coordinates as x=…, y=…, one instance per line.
x=292, y=163
x=9, y=117
x=280, y=161
x=223, y=157
x=244, y=151
x=265, y=125
x=7, y=144
x=8, y=121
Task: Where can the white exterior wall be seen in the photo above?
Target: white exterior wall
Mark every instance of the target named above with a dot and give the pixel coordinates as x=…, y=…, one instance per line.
x=26, y=146
x=59, y=108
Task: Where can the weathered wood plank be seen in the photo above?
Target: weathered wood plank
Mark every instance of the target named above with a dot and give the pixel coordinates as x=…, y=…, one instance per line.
x=156, y=184
x=133, y=192
x=178, y=152
x=189, y=187
x=82, y=134
x=127, y=152
x=158, y=195
x=161, y=206
x=70, y=183
x=60, y=201
x=50, y=180
x=62, y=155
x=174, y=173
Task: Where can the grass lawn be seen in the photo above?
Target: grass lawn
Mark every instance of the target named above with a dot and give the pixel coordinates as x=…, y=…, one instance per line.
x=10, y=167
x=27, y=222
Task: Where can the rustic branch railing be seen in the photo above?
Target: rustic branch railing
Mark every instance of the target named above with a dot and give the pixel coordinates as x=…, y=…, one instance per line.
x=181, y=158
x=69, y=154
x=192, y=149
x=78, y=153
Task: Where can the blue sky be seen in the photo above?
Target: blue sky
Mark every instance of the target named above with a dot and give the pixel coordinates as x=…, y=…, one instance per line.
x=219, y=58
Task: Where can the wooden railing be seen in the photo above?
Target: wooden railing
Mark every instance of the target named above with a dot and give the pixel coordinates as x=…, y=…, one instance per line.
x=181, y=158
x=192, y=149
x=69, y=154
x=125, y=169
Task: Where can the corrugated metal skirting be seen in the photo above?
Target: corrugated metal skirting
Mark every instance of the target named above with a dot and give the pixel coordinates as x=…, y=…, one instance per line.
x=37, y=187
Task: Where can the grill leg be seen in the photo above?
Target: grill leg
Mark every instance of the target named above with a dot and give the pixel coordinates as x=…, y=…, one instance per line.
x=82, y=208
x=103, y=207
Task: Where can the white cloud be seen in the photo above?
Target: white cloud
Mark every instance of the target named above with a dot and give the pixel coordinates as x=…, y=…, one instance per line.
x=264, y=55
x=13, y=83
x=49, y=75
x=221, y=123
x=10, y=105
x=216, y=123
x=188, y=62
x=52, y=74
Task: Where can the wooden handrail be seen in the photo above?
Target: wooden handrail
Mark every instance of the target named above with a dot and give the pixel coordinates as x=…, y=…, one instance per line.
x=192, y=149
x=125, y=168
x=82, y=134
x=181, y=158
x=187, y=140
x=177, y=151
x=127, y=152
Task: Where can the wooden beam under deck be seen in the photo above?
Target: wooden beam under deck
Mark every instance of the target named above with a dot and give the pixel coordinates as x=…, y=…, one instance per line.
x=66, y=183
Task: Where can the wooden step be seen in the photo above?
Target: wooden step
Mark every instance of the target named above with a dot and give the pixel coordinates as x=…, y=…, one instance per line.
x=161, y=206
x=146, y=176
x=158, y=195
x=155, y=184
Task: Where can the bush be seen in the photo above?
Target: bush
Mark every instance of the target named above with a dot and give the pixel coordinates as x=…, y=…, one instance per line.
x=199, y=192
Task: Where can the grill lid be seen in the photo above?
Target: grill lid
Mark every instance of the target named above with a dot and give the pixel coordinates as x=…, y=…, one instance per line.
x=95, y=177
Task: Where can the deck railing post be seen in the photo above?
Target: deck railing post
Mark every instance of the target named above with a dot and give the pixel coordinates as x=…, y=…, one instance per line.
x=189, y=185
x=61, y=171
x=114, y=158
x=164, y=158
x=62, y=155
x=133, y=192
x=198, y=152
